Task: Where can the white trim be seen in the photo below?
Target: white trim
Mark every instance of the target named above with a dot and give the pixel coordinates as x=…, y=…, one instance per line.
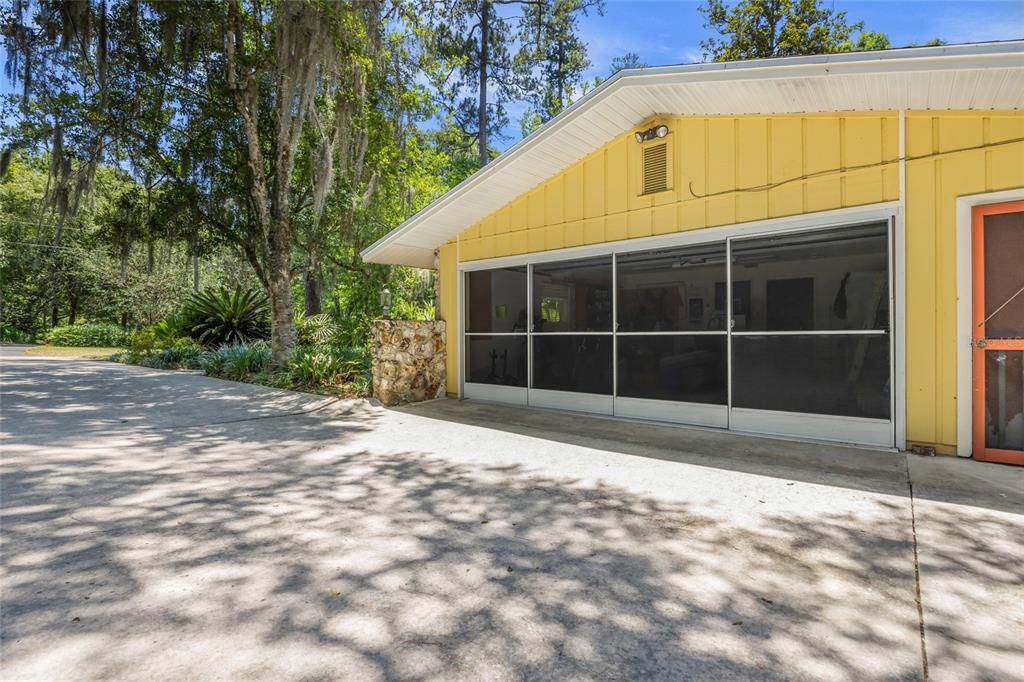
x=494, y=393
x=964, y=303
x=460, y=318
x=689, y=414
x=827, y=427
x=841, y=217
x=899, y=293
x=567, y=400
x=817, y=332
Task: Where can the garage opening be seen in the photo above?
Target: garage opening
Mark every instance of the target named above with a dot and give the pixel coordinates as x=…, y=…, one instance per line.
x=786, y=334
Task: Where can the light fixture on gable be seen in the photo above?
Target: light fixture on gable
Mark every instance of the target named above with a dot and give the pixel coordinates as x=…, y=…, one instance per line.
x=651, y=133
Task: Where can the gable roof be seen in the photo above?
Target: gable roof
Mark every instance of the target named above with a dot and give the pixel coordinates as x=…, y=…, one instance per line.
x=953, y=77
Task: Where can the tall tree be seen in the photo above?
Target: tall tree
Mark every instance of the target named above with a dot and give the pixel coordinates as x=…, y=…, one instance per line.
x=479, y=59
x=225, y=98
x=754, y=29
x=553, y=58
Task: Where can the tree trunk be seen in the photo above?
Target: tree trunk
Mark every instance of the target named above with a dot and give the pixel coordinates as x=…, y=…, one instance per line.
x=195, y=272
x=73, y=313
x=54, y=316
x=311, y=286
x=282, y=324
x=485, y=37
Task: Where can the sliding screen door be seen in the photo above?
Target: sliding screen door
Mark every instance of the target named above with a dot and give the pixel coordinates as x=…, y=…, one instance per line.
x=495, y=342
x=671, y=360
x=810, y=346
x=572, y=334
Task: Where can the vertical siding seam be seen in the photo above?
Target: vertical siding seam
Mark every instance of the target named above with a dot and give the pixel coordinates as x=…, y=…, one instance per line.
x=803, y=164
x=707, y=170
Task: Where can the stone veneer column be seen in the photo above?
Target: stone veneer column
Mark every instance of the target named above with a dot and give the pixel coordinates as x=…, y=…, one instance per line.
x=409, y=359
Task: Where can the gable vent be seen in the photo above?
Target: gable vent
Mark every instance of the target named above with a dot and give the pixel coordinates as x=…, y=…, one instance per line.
x=655, y=171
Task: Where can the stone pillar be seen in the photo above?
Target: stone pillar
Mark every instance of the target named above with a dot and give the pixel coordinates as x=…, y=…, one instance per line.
x=409, y=360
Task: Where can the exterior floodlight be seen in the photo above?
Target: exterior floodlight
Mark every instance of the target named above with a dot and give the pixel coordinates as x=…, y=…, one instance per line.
x=651, y=133
x=385, y=302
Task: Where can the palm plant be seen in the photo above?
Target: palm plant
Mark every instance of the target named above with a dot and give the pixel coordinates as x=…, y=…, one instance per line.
x=219, y=316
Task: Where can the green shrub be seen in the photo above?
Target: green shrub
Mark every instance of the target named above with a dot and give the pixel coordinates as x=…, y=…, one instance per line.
x=179, y=356
x=221, y=316
x=170, y=329
x=141, y=344
x=95, y=335
x=9, y=334
x=328, y=365
x=236, y=361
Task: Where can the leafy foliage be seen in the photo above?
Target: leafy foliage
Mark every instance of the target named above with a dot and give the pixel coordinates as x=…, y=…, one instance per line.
x=756, y=29
x=96, y=335
x=170, y=328
x=328, y=365
x=316, y=329
x=9, y=334
x=236, y=361
x=219, y=316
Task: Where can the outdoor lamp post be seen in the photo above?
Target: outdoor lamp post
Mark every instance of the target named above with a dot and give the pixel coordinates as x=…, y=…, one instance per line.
x=385, y=302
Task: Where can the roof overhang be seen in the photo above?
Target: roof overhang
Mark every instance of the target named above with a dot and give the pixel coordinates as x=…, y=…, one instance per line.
x=983, y=76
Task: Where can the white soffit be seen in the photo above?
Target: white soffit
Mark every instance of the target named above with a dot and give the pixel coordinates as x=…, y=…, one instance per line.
x=985, y=76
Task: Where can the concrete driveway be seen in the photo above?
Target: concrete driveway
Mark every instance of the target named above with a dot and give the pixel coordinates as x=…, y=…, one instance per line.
x=163, y=525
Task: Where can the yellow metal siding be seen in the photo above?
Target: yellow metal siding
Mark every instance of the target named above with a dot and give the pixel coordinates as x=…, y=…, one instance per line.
x=598, y=199
x=813, y=163
x=933, y=185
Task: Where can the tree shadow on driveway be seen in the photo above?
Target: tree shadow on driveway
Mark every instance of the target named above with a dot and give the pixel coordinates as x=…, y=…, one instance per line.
x=352, y=544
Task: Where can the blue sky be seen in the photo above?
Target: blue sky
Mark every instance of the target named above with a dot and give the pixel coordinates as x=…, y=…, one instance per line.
x=670, y=31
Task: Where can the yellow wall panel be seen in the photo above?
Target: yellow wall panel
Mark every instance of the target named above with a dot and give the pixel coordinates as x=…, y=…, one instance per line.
x=517, y=220
x=535, y=208
x=593, y=231
x=503, y=245
x=535, y=240
x=574, y=193
x=554, y=237
x=487, y=225
x=664, y=219
x=615, y=227
x=573, y=233
x=593, y=186
x=554, y=200
x=689, y=158
x=616, y=171
x=638, y=223
x=503, y=220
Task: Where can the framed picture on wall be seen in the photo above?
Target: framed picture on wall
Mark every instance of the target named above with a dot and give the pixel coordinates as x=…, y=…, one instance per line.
x=695, y=309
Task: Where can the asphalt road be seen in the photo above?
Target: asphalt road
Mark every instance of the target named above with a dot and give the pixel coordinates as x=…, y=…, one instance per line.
x=160, y=525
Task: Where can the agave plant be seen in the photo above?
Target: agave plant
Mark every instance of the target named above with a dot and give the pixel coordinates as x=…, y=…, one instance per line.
x=219, y=316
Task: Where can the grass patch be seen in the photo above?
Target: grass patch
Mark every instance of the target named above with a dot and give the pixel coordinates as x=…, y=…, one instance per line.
x=72, y=352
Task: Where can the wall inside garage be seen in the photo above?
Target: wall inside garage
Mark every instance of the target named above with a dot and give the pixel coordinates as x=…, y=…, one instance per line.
x=809, y=163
